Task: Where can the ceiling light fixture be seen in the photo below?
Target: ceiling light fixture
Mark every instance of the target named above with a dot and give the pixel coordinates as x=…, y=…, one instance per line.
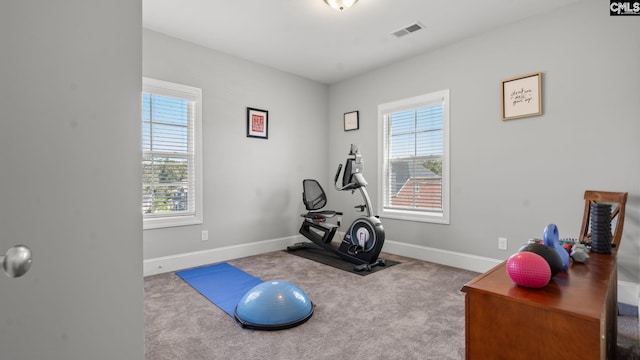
x=340, y=5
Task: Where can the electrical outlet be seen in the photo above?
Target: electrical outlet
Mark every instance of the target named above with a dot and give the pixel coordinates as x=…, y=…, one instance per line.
x=205, y=235
x=502, y=243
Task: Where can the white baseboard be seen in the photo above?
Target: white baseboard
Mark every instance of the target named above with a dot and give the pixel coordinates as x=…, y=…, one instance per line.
x=198, y=258
x=628, y=293
x=444, y=257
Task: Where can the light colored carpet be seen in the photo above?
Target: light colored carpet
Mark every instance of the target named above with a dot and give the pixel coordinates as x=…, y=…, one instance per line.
x=413, y=310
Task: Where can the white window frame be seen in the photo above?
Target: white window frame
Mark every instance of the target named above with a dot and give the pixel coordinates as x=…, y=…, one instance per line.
x=441, y=96
x=165, y=88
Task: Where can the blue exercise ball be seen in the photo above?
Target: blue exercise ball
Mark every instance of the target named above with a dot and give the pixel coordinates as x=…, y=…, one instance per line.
x=273, y=305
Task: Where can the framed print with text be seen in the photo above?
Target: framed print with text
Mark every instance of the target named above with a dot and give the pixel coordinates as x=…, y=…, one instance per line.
x=257, y=123
x=521, y=96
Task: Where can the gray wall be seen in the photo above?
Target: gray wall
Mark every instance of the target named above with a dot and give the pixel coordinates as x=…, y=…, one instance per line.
x=252, y=186
x=69, y=179
x=510, y=179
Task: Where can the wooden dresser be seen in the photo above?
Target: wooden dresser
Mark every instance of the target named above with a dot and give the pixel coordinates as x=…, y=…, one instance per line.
x=573, y=317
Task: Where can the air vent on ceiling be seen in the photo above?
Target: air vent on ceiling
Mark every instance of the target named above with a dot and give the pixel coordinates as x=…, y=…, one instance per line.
x=408, y=29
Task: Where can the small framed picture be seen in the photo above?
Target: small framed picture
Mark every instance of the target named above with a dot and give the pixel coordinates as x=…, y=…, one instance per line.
x=351, y=121
x=257, y=123
x=521, y=96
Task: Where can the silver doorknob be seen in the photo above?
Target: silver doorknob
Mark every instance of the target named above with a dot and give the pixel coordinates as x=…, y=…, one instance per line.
x=17, y=261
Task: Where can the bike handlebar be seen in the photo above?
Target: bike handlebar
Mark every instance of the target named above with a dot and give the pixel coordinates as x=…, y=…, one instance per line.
x=335, y=179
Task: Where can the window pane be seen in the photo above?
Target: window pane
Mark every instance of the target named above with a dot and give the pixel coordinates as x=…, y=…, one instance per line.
x=164, y=170
x=171, y=120
x=414, y=163
x=146, y=136
x=169, y=110
x=165, y=130
x=146, y=122
x=403, y=146
x=165, y=184
x=429, y=118
x=146, y=107
x=403, y=122
x=416, y=184
x=165, y=199
x=168, y=138
x=430, y=143
x=165, y=123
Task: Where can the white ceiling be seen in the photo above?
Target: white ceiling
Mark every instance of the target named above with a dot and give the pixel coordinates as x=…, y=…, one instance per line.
x=308, y=38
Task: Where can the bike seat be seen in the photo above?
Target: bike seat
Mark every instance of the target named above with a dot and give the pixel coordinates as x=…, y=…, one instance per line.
x=320, y=215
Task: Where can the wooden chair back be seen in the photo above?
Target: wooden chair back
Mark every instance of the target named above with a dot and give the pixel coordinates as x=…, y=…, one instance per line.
x=618, y=201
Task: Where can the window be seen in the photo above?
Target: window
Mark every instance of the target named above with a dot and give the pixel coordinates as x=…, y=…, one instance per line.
x=414, y=149
x=171, y=154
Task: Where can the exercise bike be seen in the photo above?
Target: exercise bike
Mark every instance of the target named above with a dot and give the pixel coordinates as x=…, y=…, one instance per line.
x=363, y=240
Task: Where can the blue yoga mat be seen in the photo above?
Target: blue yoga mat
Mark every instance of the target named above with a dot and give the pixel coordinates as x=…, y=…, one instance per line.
x=223, y=284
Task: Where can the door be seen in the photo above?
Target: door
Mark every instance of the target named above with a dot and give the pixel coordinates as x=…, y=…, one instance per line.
x=70, y=74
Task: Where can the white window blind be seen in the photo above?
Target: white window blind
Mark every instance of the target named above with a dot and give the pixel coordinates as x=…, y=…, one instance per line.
x=415, y=165
x=170, y=178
